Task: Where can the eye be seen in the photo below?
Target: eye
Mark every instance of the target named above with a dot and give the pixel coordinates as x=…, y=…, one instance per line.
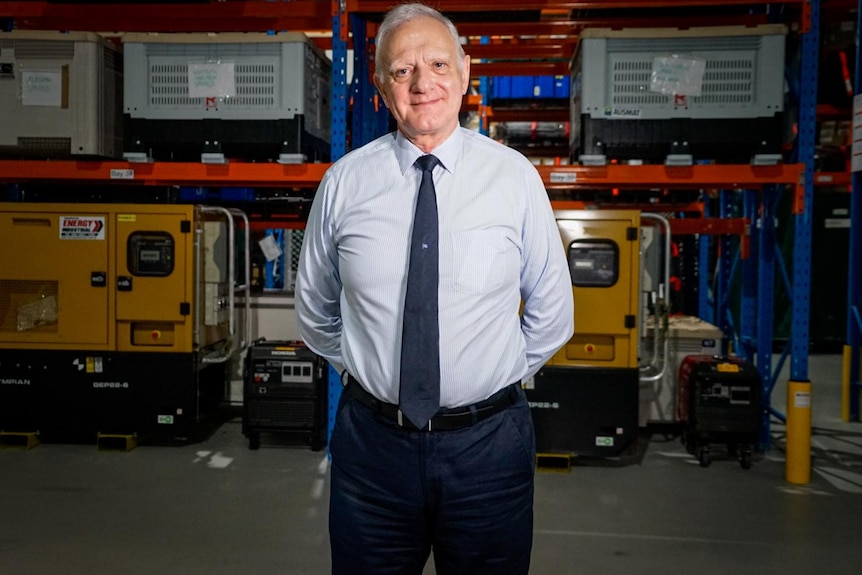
x=439, y=65
x=401, y=73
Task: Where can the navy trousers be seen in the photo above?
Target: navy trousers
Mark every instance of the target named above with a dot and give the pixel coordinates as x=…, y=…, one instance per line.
x=465, y=494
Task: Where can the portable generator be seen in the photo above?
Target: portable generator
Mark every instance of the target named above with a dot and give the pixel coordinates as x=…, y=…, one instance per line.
x=116, y=318
x=285, y=391
x=585, y=399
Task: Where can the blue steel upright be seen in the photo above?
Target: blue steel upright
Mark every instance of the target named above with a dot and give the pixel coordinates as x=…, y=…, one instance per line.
x=799, y=332
x=850, y=412
x=339, y=148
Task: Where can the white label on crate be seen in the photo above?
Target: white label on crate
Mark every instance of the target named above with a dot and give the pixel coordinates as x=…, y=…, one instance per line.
x=42, y=88
x=122, y=174
x=678, y=76
x=802, y=399
x=212, y=80
x=564, y=177
x=82, y=228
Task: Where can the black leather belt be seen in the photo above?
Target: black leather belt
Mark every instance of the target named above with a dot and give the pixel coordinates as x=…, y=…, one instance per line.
x=445, y=419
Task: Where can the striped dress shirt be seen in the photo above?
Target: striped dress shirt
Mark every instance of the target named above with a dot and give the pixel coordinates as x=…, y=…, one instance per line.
x=499, y=247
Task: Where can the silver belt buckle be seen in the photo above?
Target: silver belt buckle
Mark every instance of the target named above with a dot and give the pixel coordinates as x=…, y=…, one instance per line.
x=400, y=420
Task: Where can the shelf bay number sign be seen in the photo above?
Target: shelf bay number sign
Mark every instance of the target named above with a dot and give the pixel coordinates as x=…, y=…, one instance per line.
x=212, y=81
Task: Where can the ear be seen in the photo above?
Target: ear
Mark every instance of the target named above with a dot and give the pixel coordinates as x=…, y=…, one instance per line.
x=379, y=85
x=465, y=80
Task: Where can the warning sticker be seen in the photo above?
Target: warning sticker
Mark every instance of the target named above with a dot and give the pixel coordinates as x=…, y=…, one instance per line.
x=82, y=228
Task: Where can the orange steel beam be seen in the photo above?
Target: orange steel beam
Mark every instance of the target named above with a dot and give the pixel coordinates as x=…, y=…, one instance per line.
x=377, y=6
x=301, y=15
x=163, y=173
x=315, y=15
x=678, y=226
x=735, y=176
x=311, y=15
x=714, y=176
x=309, y=175
x=514, y=68
x=542, y=114
x=710, y=226
x=645, y=207
x=570, y=28
x=525, y=50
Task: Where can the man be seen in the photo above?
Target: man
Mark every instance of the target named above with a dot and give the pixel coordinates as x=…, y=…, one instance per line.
x=458, y=480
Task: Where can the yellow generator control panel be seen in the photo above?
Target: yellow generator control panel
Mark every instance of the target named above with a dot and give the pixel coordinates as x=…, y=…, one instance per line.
x=602, y=248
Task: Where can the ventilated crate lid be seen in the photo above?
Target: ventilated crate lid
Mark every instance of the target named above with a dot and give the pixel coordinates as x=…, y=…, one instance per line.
x=696, y=32
x=53, y=36
x=213, y=38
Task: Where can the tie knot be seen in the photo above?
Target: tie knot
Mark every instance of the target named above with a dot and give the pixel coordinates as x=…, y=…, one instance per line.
x=427, y=163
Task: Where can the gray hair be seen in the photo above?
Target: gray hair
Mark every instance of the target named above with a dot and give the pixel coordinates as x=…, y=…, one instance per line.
x=402, y=14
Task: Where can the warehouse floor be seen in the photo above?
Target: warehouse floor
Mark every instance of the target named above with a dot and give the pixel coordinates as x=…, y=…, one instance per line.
x=216, y=507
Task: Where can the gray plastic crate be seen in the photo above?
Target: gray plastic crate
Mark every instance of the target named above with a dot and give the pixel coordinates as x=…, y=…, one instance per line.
x=60, y=95
x=239, y=82
x=637, y=76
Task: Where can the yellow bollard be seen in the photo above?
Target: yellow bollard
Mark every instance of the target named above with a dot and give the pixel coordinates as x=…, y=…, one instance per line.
x=798, y=469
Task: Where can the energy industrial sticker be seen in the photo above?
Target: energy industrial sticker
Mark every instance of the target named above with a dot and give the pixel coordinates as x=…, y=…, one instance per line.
x=82, y=228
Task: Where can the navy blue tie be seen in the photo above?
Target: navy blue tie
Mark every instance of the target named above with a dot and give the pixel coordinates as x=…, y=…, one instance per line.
x=419, y=396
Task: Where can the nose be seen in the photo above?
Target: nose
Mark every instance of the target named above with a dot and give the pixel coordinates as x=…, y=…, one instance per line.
x=422, y=79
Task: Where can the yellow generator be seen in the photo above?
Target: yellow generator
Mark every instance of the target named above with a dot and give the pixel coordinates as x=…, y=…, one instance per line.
x=585, y=399
x=116, y=318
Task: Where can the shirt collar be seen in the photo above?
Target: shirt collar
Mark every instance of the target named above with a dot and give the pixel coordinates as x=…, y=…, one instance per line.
x=447, y=152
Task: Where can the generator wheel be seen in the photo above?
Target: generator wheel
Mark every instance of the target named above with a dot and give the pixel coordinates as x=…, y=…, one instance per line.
x=688, y=442
x=745, y=458
x=254, y=441
x=704, y=457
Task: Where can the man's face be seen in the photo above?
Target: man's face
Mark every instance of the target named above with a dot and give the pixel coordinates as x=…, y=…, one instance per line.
x=423, y=81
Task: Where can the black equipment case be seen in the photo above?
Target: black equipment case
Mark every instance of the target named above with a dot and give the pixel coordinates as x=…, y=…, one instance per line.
x=719, y=402
x=285, y=390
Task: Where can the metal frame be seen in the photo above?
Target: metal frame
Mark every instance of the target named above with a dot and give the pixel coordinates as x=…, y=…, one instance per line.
x=314, y=15
x=851, y=380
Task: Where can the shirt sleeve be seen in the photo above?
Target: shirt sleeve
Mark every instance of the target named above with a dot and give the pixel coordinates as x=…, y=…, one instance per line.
x=318, y=284
x=547, y=319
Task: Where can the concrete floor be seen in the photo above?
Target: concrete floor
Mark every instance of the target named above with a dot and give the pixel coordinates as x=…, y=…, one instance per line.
x=218, y=508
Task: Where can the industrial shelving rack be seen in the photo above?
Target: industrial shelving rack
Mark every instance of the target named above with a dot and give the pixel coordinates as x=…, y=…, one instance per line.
x=549, y=28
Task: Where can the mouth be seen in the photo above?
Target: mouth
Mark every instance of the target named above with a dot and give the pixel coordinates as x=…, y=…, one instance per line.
x=425, y=103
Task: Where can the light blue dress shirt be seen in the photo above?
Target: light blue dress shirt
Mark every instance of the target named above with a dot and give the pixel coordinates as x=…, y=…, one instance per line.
x=499, y=245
